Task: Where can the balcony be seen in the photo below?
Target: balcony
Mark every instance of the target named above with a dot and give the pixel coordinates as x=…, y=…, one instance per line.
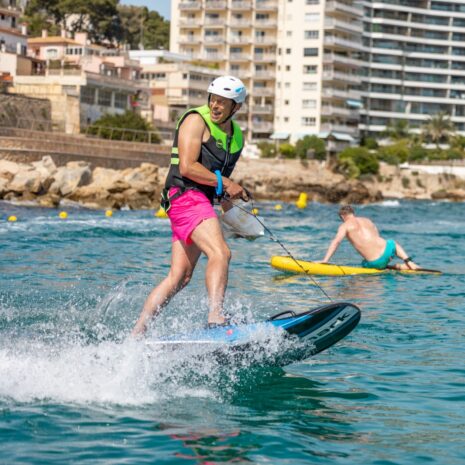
x=268, y=74
x=336, y=58
x=339, y=7
x=266, y=23
x=190, y=22
x=264, y=58
x=262, y=127
x=338, y=76
x=239, y=57
x=215, y=22
x=189, y=40
x=235, y=5
x=266, y=5
x=341, y=43
x=262, y=109
x=328, y=110
x=265, y=40
x=215, y=5
x=263, y=92
x=341, y=94
x=214, y=40
x=213, y=57
x=333, y=127
x=190, y=5
x=242, y=23
x=242, y=40
x=336, y=24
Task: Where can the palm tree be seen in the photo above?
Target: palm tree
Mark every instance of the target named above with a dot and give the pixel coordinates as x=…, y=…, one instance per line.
x=438, y=129
x=397, y=129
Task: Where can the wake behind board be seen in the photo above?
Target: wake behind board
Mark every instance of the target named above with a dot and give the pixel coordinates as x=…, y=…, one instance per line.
x=283, y=339
x=289, y=265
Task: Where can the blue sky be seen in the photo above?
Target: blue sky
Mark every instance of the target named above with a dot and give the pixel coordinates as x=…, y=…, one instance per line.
x=162, y=6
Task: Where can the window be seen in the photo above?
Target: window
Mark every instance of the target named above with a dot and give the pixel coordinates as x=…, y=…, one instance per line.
x=52, y=53
x=286, y=119
x=310, y=52
x=289, y=33
x=308, y=121
x=312, y=17
x=104, y=97
x=312, y=2
x=88, y=95
x=287, y=85
x=309, y=86
x=311, y=34
x=286, y=102
x=310, y=69
x=308, y=103
x=121, y=100
x=288, y=67
x=288, y=51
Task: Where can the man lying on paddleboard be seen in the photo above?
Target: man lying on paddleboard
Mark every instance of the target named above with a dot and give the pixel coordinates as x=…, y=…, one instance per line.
x=364, y=236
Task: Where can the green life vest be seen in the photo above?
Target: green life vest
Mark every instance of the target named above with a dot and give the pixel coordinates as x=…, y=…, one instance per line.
x=219, y=152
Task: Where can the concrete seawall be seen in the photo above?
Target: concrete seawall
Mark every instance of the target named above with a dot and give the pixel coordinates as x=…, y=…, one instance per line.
x=25, y=146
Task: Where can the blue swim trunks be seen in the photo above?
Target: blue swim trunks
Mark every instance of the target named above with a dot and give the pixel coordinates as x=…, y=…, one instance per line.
x=382, y=262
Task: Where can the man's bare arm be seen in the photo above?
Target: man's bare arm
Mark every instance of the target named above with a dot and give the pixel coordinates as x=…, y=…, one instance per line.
x=189, y=145
x=338, y=238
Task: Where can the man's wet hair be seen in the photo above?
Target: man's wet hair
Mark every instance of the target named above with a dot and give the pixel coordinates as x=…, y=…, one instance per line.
x=346, y=210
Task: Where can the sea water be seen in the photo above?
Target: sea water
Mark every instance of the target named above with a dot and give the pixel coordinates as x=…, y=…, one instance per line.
x=75, y=389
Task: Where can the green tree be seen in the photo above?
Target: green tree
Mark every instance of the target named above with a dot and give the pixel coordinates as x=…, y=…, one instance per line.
x=287, y=150
x=394, y=154
x=397, y=129
x=438, y=129
x=267, y=149
x=355, y=161
x=129, y=126
x=141, y=27
x=99, y=18
x=313, y=143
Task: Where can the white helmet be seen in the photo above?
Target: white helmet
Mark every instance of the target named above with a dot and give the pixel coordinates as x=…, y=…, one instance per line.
x=228, y=87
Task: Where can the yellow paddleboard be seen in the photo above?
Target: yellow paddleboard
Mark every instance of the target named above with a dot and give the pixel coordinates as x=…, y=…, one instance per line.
x=326, y=269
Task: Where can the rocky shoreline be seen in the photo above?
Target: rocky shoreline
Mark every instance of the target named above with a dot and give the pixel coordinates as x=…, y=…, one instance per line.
x=42, y=183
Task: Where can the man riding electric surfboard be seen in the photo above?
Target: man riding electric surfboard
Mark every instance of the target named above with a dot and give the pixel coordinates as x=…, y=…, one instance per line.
x=207, y=144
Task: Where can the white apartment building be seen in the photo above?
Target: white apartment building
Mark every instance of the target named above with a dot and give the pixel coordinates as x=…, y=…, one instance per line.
x=175, y=84
x=237, y=37
x=415, y=53
x=318, y=70
x=338, y=69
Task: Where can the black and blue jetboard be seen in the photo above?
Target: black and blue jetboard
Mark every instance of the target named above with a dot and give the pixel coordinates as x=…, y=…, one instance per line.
x=282, y=339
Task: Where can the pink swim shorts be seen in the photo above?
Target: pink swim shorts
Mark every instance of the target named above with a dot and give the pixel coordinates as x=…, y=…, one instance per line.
x=187, y=212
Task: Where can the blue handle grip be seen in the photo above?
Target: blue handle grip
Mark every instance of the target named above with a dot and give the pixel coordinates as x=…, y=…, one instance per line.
x=219, y=187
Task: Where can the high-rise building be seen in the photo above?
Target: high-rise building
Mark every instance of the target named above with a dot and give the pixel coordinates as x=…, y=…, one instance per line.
x=335, y=68
x=237, y=37
x=415, y=62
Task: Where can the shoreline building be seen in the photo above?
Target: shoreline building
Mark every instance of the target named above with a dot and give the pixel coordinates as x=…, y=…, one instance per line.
x=338, y=69
x=83, y=81
x=237, y=37
x=175, y=84
x=298, y=58
x=13, y=43
x=415, y=54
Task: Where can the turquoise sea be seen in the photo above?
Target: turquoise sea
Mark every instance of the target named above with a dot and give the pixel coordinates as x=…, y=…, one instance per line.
x=75, y=390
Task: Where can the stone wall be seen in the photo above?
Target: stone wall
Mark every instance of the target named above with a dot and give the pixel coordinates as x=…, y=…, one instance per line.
x=16, y=109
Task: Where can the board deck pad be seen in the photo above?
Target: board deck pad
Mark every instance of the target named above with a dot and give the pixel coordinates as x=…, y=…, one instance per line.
x=281, y=340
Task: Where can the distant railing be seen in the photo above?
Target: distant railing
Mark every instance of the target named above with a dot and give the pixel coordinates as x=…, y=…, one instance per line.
x=92, y=130
x=125, y=134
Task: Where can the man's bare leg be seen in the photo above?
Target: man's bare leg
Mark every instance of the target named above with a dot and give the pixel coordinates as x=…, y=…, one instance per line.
x=183, y=260
x=400, y=252
x=208, y=237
